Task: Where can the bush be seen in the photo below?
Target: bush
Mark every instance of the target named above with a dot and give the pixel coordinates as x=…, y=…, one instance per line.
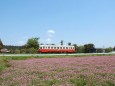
x=99, y=50
x=31, y=50
x=17, y=51
x=107, y=50
x=23, y=51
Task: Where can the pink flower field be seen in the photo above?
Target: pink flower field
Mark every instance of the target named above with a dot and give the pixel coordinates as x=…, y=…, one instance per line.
x=70, y=71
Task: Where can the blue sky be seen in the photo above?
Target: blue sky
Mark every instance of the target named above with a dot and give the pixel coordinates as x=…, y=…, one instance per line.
x=76, y=21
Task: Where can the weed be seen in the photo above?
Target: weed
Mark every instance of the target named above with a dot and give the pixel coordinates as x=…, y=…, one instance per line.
x=78, y=81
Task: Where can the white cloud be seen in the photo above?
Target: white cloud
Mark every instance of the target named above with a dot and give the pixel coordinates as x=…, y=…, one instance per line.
x=50, y=33
x=49, y=36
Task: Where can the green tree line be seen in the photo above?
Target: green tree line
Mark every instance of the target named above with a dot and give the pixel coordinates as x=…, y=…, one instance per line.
x=32, y=46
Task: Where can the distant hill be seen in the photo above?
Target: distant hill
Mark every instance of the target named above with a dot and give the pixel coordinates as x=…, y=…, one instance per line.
x=9, y=47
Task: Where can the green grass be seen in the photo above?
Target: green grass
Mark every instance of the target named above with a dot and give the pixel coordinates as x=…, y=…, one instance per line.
x=78, y=81
x=51, y=82
x=4, y=64
x=52, y=56
x=108, y=83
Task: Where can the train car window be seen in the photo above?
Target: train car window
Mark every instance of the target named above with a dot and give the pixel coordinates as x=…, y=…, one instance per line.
x=51, y=47
x=60, y=47
x=40, y=47
x=48, y=47
x=54, y=47
x=57, y=47
x=63, y=47
x=43, y=47
x=66, y=47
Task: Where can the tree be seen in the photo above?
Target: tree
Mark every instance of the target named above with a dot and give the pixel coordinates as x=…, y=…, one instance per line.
x=61, y=42
x=17, y=51
x=33, y=43
x=69, y=43
x=81, y=49
x=108, y=49
x=114, y=48
x=89, y=48
x=31, y=50
x=75, y=45
x=1, y=44
x=99, y=50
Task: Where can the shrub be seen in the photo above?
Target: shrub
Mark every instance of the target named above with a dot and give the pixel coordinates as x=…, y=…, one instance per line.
x=4, y=64
x=31, y=50
x=17, y=51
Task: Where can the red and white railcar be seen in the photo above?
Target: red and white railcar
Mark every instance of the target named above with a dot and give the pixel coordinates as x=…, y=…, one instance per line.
x=56, y=49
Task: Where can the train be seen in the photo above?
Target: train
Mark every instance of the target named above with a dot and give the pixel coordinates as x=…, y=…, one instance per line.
x=56, y=49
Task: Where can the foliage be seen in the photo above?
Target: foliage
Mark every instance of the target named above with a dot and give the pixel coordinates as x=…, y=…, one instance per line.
x=11, y=47
x=61, y=42
x=33, y=43
x=17, y=51
x=89, y=48
x=114, y=48
x=99, y=50
x=69, y=43
x=86, y=71
x=110, y=83
x=4, y=64
x=23, y=51
x=12, y=51
x=31, y=47
x=108, y=49
x=1, y=47
x=1, y=44
x=52, y=82
x=81, y=49
x=75, y=45
x=31, y=50
x=78, y=81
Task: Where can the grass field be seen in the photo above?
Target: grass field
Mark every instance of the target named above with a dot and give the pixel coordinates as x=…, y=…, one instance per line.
x=57, y=71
